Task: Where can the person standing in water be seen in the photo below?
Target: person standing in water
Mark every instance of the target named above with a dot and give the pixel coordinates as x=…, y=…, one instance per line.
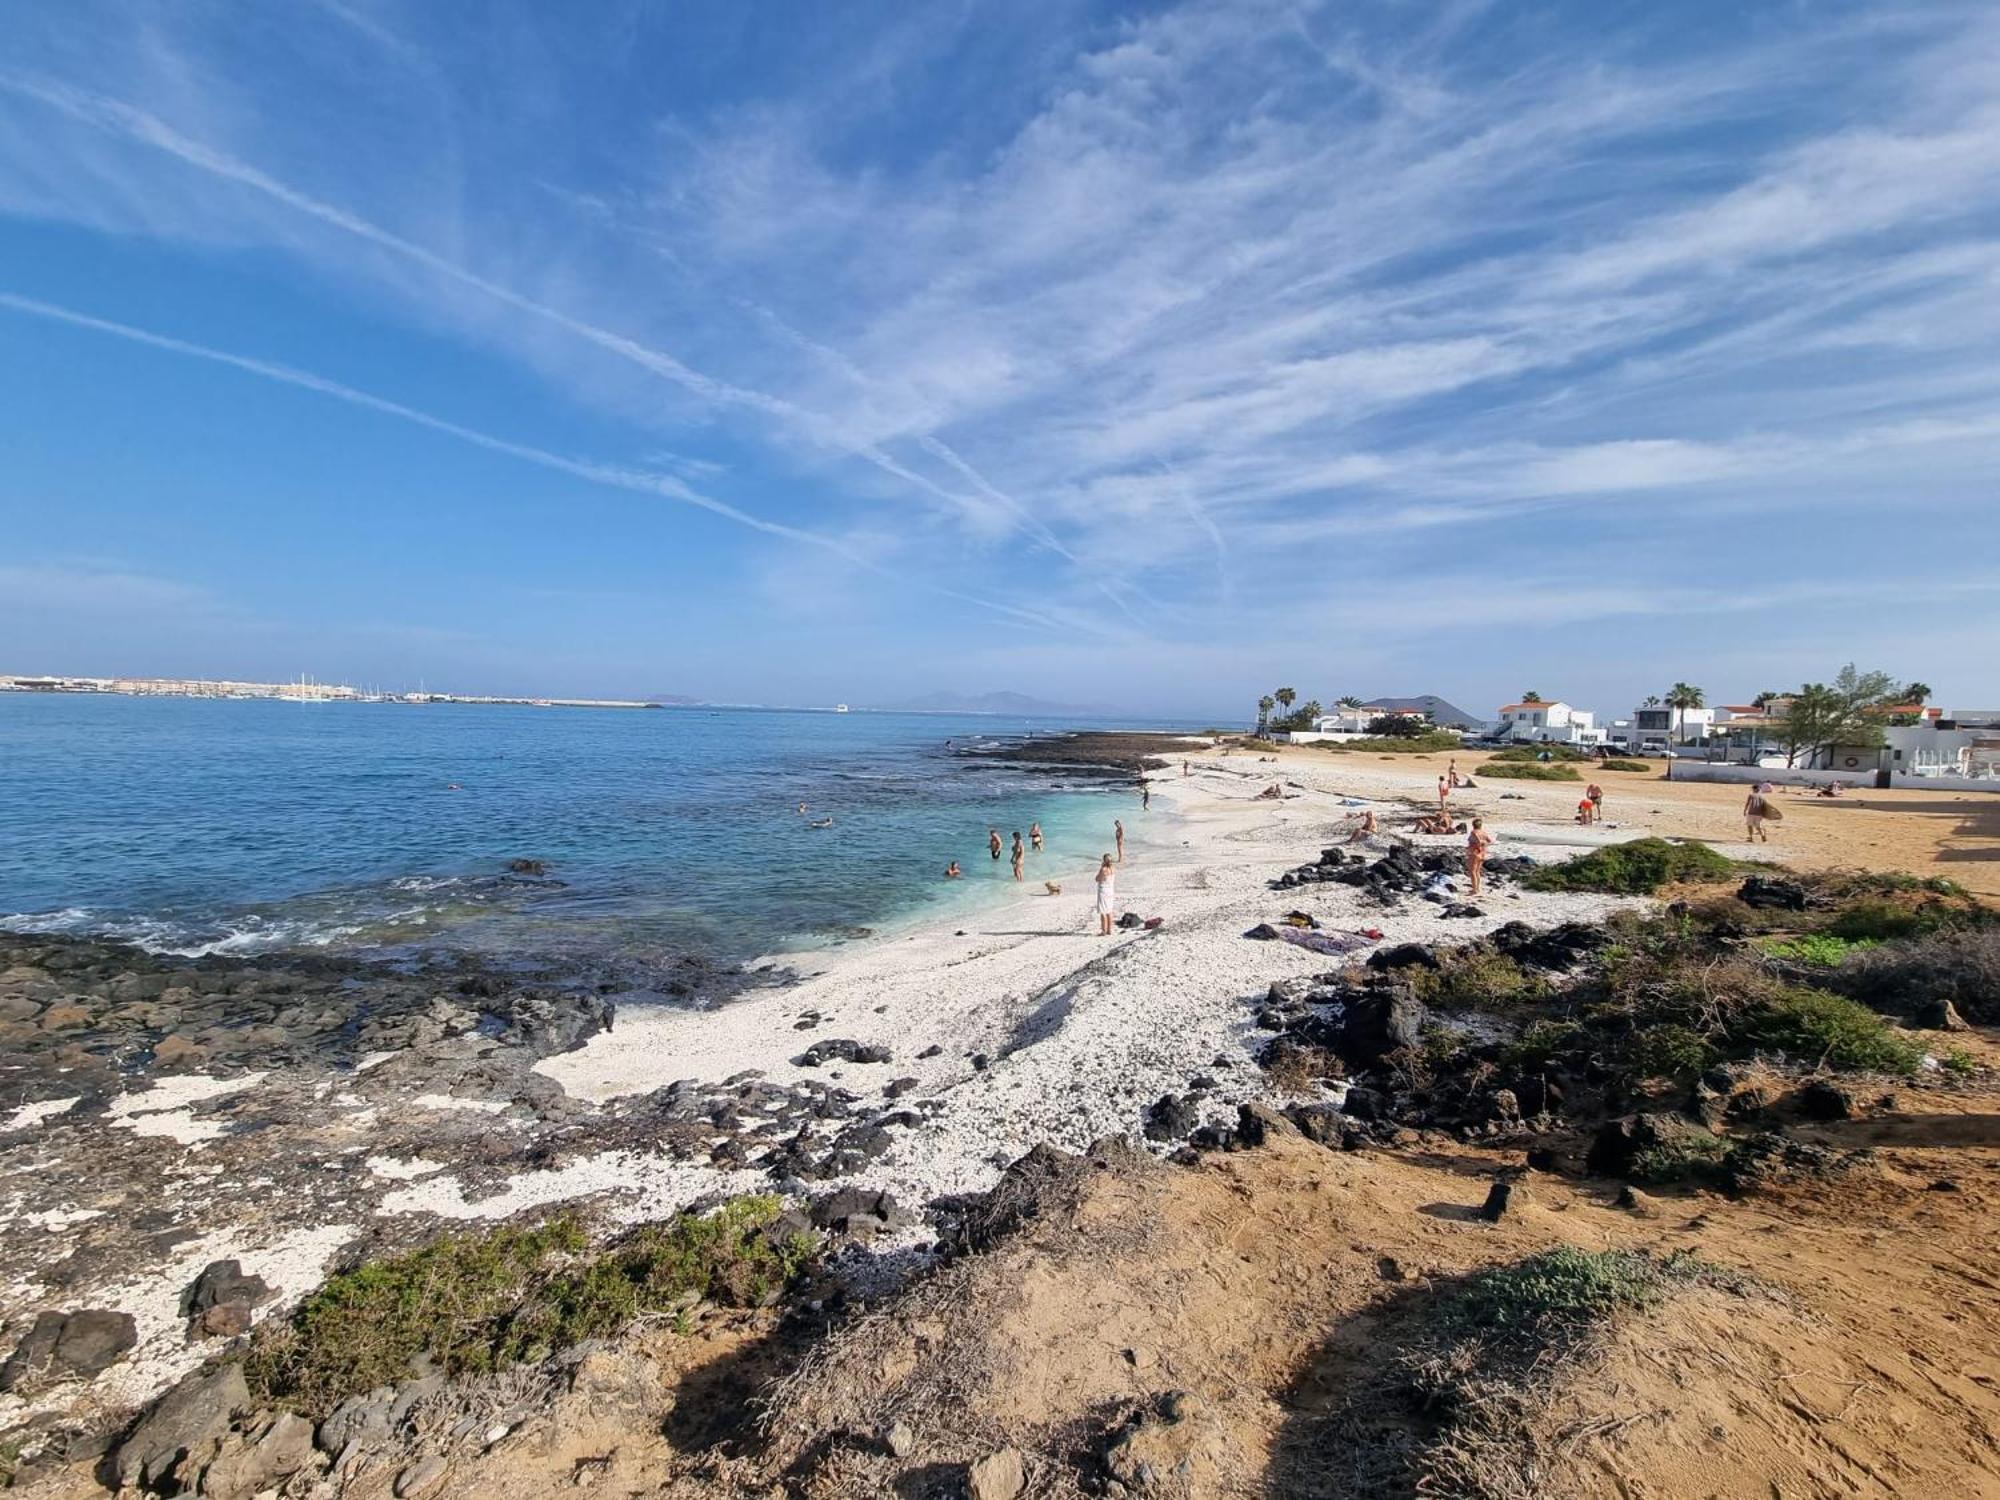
x=1020, y=854
x=1118, y=829
x=953, y=872
x=1145, y=795
x=993, y=842
x=1477, y=842
x=1035, y=836
x=1107, y=896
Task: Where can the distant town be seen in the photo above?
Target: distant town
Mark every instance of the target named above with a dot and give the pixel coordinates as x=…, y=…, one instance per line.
x=305, y=690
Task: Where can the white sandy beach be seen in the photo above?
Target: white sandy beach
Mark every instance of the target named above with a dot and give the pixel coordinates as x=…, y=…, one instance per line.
x=1081, y=1032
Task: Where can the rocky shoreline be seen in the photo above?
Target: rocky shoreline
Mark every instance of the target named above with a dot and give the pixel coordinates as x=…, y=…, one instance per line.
x=1106, y=754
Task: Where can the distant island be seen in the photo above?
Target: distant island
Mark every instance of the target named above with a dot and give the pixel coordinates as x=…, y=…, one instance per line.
x=987, y=703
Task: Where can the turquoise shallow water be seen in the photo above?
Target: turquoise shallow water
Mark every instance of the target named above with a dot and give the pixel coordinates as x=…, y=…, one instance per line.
x=207, y=826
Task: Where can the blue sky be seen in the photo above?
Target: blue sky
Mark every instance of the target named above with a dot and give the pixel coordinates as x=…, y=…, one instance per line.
x=1141, y=355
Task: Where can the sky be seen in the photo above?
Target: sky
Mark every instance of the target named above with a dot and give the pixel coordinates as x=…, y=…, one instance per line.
x=1146, y=356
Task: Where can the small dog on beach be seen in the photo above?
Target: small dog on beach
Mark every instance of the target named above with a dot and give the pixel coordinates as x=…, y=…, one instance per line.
x=1052, y=887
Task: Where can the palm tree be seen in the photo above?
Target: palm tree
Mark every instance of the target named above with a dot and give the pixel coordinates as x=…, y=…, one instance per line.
x=1264, y=706
x=1652, y=701
x=1531, y=697
x=1287, y=697
x=1917, y=692
x=1350, y=701
x=1680, y=698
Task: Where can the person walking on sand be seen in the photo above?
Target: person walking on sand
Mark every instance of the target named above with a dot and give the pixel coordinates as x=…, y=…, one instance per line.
x=1107, y=896
x=1035, y=836
x=1187, y=768
x=1757, y=809
x=993, y=842
x=1020, y=854
x=1444, y=792
x=1118, y=831
x=1477, y=842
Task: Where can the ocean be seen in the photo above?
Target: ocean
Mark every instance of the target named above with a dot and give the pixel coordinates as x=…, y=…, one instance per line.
x=209, y=826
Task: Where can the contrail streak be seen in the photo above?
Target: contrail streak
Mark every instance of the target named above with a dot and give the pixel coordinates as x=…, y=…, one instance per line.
x=644, y=483
x=113, y=115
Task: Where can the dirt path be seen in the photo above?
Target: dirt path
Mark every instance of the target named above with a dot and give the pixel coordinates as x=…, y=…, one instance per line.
x=1954, y=834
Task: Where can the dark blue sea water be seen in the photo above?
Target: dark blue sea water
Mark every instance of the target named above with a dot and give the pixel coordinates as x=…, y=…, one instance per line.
x=194, y=825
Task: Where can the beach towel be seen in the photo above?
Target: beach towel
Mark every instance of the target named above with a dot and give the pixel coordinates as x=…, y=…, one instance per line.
x=1317, y=942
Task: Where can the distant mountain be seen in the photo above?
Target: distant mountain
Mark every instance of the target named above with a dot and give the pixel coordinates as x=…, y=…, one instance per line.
x=1443, y=714
x=988, y=703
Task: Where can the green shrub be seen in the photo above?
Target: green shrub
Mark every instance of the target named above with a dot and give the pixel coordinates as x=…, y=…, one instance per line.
x=1623, y=765
x=1528, y=771
x=1959, y=1063
x=1886, y=921
x=1476, y=980
x=1692, y=1154
x=1668, y=1051
x=484, y=1300
x=1540, y=1045
x=1563, y=1287
x=1822, y=950
x=1637, y=868
x=1815, y=1027
x=1428, y=743
x=1535, y=753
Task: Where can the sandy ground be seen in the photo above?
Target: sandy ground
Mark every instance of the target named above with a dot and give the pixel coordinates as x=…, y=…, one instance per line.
x=1954, y=834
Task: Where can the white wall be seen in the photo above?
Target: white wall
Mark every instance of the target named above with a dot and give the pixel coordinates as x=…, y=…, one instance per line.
x=1701, y=770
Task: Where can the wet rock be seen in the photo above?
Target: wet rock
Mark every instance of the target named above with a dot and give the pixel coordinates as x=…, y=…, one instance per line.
x=527, y=867
x=1404, y=956
x=840, y=1050
x=998, y=1476
x=1171, y=1118
x=183, y=1430
x=837, y=1210
x=67, y=1346
x=1501, y=1199
x=1557, y=948
x=1772, y=893
x=218, y=1302
x=1822, y=1099
x=1937, y=1014
x=1259, y=1123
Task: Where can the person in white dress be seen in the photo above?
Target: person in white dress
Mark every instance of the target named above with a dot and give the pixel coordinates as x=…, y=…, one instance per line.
x=1107, y=895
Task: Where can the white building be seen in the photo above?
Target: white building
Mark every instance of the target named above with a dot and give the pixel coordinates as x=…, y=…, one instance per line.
x=1655, y=728
x=1346, y=721
x=1552, y=722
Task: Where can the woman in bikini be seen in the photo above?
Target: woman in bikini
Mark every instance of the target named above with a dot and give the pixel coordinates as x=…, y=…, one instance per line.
x=1477, y=842
x=993, y=842
x=1035, y=836
x=1020, y=854
x=1118, y=828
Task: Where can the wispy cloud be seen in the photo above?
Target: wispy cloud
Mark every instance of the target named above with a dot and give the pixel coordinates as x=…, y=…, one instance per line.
x=1169, y=326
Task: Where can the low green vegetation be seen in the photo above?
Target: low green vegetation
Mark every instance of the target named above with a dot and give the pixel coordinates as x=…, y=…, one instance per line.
x=1518, y=770
x=1669, y=1051
x=1428, y=743
x=1812, y=1026
x=1623, y=765
x=1563, y=1289
x=1820, y=950
x=1478, y=980
x=1532, y=754
x=1959, y=1063
x=1687, y=1156
x=1637, y=868
x=484, y=1300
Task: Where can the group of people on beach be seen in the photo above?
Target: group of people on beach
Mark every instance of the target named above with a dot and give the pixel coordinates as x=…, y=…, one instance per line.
x=1017, y=855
